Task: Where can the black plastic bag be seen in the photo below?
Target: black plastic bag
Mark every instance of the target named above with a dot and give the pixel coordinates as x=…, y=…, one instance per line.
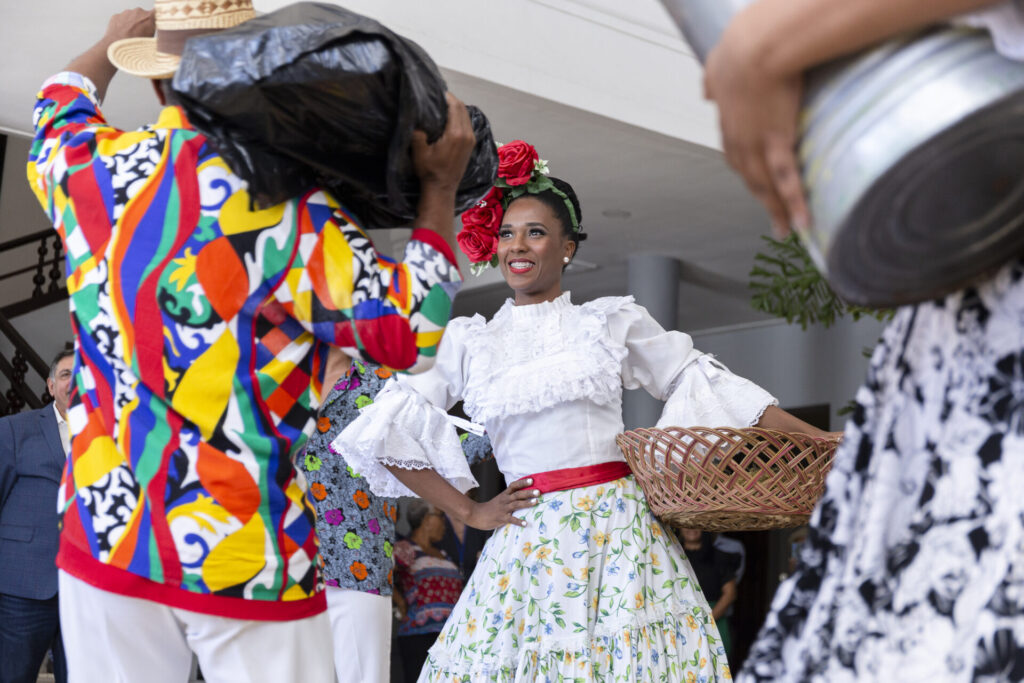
x=314, y=95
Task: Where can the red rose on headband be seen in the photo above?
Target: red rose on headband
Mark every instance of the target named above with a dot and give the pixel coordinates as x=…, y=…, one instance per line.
x=487, y=213
x=480, y=244
x=515, y=162
x=492, y=198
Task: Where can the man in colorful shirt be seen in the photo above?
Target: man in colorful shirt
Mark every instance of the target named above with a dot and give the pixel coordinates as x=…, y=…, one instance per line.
x=202, y=329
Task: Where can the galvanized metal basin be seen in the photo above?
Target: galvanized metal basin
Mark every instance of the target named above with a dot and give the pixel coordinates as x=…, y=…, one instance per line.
x=912, y=156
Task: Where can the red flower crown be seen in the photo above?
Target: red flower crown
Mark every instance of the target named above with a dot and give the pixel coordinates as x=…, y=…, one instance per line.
x=520, y=171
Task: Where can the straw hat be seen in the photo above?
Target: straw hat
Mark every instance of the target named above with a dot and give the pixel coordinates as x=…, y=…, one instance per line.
x=176, y=22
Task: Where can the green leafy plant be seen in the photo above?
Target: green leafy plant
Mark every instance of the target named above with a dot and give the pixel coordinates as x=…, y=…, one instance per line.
x=785, y=283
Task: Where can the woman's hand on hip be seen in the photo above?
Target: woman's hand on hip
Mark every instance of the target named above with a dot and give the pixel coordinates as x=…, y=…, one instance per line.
x=498, y=510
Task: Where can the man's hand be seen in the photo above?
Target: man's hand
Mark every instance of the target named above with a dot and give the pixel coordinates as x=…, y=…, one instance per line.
x=498, y=510
x=93, y=63
x=442, y=164
x=131, y=23
x=440, y=167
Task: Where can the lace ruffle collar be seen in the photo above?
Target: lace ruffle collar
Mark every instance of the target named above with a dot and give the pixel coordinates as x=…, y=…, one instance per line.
x=530, y=358
x=509, y=310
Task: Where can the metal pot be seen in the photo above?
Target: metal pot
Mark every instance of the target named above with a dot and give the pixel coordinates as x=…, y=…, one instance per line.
x=912, y=156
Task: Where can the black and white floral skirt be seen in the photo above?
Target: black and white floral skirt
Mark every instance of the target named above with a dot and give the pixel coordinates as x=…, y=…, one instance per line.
x=914, y=566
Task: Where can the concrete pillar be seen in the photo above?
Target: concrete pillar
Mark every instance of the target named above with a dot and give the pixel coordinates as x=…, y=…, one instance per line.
x=653, y=280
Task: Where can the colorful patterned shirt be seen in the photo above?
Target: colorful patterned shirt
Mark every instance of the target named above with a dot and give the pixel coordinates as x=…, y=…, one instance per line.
x=202, y=328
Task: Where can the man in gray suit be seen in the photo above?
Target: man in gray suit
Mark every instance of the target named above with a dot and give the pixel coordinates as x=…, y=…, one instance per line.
x=33, y=448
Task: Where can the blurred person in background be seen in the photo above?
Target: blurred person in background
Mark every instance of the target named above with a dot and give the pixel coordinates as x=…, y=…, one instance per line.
x=430, y=584
x=718, y=575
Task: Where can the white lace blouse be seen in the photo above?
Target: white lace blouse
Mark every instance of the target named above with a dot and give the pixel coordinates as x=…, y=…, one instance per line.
x=546, y=381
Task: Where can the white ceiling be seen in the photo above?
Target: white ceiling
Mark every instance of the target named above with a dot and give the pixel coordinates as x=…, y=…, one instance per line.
x=681, y=198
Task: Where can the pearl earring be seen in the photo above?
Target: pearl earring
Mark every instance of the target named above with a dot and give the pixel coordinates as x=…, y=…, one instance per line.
x=565, y=259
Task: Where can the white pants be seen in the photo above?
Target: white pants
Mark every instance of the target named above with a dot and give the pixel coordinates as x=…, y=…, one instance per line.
x=361, y=624
x=111, y=638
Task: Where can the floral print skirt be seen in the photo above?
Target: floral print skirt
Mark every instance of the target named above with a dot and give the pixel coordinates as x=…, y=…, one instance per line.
x=593, y=588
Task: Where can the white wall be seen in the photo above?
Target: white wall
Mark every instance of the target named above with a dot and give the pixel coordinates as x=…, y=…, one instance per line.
x=45, y=330
x=799, y=367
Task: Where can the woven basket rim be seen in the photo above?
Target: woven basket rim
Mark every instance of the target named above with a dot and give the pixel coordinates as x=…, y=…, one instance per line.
x=731, y=478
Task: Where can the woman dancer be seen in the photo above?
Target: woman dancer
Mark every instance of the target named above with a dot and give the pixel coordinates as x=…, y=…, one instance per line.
x=580, y=581
x=914, y=564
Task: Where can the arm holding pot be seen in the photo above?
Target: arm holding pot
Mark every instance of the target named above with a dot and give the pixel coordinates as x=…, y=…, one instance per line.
x=755, y=75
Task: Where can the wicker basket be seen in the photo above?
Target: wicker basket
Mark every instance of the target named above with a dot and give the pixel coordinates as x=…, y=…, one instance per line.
x=729, y=479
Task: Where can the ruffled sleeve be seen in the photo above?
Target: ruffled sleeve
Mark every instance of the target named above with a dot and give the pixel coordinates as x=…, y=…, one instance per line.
x=708, y=395
x=407, y=424
x=655, y=356
x=699, y=390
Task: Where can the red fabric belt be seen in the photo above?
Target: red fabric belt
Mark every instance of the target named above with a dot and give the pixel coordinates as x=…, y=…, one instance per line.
x=576, y=477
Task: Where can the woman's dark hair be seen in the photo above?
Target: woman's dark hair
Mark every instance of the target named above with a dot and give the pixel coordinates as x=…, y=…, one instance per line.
x=561, y=211
x=416, y=511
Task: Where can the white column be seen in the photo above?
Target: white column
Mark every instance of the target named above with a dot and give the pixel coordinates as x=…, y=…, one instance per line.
x=653, y=280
